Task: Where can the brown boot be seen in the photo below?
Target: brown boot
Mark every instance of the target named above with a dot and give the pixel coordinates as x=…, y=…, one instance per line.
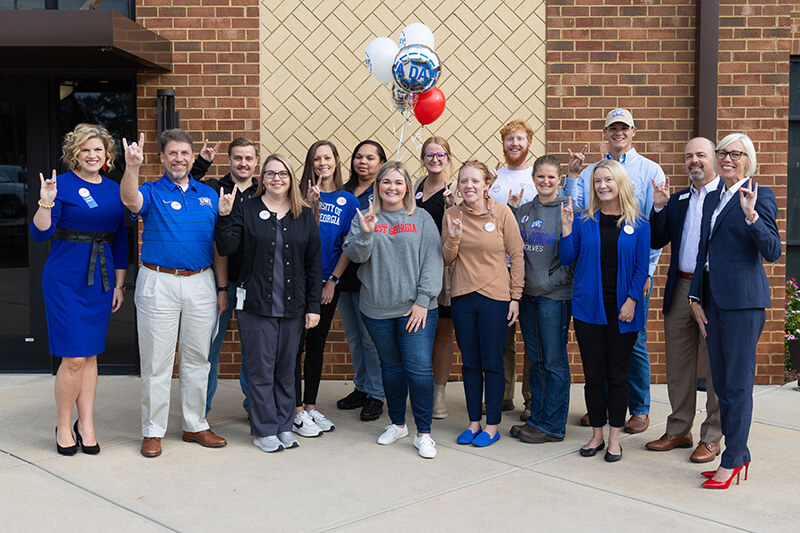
x=439, y=402
x=151, y=446
x=637, y=424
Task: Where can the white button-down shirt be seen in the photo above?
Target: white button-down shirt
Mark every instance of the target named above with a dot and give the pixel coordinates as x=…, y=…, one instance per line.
x=690, y=237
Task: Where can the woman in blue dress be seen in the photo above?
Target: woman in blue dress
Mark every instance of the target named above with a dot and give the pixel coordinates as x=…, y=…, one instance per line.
x=82, y=281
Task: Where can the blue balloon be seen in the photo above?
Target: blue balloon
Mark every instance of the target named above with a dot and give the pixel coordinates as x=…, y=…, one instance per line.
x=416, y=69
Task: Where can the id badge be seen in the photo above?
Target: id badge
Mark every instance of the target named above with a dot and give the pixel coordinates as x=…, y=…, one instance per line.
x=241, y=293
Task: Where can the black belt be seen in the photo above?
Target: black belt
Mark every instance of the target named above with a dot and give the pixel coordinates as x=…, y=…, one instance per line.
x=97, y=238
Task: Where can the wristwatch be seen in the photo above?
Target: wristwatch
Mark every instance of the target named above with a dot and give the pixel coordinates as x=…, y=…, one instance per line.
x=335, y=279
x=222, y=289
x=693, y=299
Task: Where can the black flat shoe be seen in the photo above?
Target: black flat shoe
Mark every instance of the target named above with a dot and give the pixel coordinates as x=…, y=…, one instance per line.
x=591, y=452
x=611, y=458
x=91, y=450
x=65, y=450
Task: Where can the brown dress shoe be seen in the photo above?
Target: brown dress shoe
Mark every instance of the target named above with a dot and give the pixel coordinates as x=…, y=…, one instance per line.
x=705, y=452
x=151, y=446
x=585, y=420
x=205, y=438
x=637, y=424
x=668, y=442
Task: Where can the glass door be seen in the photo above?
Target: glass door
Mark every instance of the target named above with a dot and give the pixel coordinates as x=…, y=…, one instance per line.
x=24, y=152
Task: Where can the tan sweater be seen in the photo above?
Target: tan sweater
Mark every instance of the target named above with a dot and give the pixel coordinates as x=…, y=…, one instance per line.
x=480, y=255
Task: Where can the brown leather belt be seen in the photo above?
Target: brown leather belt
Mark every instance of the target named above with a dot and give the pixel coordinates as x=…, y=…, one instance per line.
x=176, y=271
x=684, y=275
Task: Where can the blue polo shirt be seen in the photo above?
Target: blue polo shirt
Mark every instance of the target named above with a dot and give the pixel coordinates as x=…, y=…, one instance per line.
x=178, y=226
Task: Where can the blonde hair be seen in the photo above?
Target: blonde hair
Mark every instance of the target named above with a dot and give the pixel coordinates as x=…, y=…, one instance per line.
x=627, y=200
x=481, y=167
x=295, y=198
x=409, y=203
x=82, y=133
x=749, y=149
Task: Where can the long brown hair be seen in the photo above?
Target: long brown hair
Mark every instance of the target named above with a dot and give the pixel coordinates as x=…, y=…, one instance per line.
x=409, y=203
x=295, y=198
x=308, y=167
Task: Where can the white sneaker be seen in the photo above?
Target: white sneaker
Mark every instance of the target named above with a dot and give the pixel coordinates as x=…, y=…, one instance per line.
x=392, y=433
x=288, y=440
x=322, y=423
x=268, y=444
x=426, y=446
x=304, y=425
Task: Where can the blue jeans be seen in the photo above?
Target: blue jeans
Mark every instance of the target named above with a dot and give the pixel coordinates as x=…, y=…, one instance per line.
x=545, y=328
x=406, y=366
x=481, y=330
x=366, y=363
x=639, y=371
x=216, y=346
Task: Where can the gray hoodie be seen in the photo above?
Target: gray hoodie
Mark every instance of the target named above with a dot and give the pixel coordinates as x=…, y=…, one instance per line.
x=401, y=262
x=540, y=226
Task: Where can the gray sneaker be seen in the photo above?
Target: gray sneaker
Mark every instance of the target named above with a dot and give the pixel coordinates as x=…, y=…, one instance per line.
x=268, y=444
x=288, y=439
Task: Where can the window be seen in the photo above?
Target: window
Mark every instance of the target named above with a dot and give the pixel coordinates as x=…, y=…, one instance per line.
x=123, y=7
x=793, y=190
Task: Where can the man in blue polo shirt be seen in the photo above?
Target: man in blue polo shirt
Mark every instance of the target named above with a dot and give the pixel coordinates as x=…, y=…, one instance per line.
x=176, y=296
x=619, y=132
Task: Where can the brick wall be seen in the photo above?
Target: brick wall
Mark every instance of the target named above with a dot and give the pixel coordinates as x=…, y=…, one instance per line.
x=641, y=55
x=600, y=55
x=215, y=77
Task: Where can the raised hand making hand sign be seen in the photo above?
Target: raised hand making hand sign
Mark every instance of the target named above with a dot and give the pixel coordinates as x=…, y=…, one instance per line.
x=134, y=152
x=515, y=199
x=567, y=216
x=209, y=153
x=747, y=198
x=454, y=227
x=576, y=160
x=660, y=193
x=226, y=202
x=47, y=193
x=368, y=220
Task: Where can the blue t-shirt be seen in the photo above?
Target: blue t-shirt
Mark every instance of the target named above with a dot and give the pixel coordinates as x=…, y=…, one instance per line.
x=178, y=226
x=336, y=212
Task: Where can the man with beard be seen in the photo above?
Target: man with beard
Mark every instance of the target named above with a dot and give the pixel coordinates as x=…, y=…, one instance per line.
x=175, y=292
x=677, y=219
x=515, y=179
x=619, y=132
x=243, y=160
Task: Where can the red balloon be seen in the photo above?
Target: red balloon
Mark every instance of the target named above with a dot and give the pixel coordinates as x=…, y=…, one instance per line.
x=429, y=106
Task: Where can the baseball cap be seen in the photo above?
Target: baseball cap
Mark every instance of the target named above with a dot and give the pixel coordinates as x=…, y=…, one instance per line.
x=619, y=115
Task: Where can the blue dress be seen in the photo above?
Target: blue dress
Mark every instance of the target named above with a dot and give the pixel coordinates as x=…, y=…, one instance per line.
x=78, y=313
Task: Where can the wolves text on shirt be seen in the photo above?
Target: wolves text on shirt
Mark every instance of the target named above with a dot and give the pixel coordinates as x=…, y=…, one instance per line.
x=535, y=241
x=329, y=213
x=397, y=228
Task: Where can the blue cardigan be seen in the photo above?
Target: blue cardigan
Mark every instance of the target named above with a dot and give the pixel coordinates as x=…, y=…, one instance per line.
x=633, y=255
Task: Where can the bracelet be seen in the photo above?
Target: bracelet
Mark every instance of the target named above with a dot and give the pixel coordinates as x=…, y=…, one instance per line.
x=46, y=206
x=120, y=288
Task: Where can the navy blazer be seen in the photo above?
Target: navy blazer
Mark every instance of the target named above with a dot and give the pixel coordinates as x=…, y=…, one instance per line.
x=736, y=250
x=666, y=226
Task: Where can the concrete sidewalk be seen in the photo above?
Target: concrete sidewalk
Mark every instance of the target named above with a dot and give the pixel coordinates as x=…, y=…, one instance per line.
x=344, y=480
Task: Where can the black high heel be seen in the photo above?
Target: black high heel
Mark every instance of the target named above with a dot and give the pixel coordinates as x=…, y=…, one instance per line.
x=91, y=450
x=65, y=450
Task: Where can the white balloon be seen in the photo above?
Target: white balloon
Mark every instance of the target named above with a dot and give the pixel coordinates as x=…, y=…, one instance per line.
x=416, y=33
x=379, y=58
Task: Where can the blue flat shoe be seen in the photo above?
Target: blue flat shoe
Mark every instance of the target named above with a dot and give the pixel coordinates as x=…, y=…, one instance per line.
x=484, y=439
x=467, y=436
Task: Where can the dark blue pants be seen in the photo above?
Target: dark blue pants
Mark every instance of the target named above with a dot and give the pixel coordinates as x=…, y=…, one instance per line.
x=545, y=328
x=406, y=366
x=732, y=340
x=481, y=328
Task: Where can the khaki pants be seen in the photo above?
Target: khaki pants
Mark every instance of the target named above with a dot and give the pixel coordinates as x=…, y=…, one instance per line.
x=172, y=308
x=510, y=367
x=685, y=346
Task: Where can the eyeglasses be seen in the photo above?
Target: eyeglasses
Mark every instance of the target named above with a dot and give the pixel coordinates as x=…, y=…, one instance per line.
x=735, y=154
x=269, y=175
x=437, y=155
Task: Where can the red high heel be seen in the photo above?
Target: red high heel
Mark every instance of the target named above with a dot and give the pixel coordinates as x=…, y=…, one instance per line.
x=710, y=473
x=711, y=484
